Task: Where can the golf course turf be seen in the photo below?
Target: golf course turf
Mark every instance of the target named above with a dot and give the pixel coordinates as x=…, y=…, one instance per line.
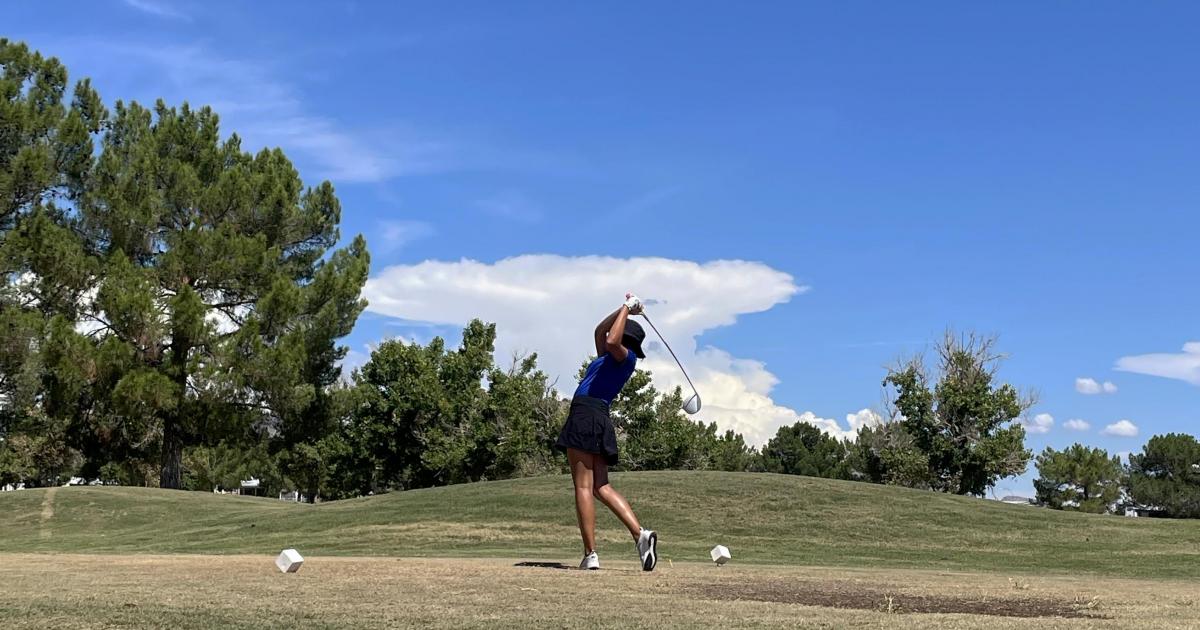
x=805, y=551
x=762, y=518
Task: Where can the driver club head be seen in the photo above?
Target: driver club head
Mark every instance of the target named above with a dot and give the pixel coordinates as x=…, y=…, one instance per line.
x=692, y=405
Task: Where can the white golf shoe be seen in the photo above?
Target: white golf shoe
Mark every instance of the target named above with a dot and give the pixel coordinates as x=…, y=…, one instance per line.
x=591, y=562
x=647, y=546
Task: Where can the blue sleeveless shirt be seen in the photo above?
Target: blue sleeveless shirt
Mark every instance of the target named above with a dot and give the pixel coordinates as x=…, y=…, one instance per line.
x=605, y=377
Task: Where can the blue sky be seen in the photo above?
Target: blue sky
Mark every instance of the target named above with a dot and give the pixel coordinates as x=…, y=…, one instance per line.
x=885, y=169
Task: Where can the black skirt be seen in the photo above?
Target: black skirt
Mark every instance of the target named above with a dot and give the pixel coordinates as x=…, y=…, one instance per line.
x=590, y=429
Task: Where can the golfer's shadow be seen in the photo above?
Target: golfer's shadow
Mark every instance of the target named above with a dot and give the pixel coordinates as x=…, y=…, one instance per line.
x=562, y=567
x=546, y=565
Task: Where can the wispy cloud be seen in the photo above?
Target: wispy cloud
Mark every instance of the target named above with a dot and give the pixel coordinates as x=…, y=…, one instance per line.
x=393, y=235
x=1090, y=387
x=512, y=205
x=158, y=9
x=254, y=102
x=1184, y=366
x=646, y=200
x=1121, y=428
x=258, y=100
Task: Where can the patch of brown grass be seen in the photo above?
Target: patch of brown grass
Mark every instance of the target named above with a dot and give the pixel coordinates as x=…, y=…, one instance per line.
x=851, y=596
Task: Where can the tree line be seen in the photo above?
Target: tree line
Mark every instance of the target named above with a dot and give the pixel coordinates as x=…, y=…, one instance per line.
x=1162, y=480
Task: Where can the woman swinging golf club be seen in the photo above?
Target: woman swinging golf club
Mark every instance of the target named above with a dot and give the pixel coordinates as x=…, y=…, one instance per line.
x=589, y=439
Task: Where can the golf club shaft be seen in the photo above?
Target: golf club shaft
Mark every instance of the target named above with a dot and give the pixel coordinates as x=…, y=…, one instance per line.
x=677, y=361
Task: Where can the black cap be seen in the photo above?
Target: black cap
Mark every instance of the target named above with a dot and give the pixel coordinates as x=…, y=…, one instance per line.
x=633, y=338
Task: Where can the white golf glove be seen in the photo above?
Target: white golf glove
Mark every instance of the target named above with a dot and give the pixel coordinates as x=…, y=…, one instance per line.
x=633, y=303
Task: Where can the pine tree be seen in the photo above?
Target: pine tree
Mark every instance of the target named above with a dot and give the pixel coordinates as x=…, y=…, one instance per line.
x=46, y=153
x=804, y=449
x=170, y=288
x=1165, y=476
x=1079, y=478
x=218, y=285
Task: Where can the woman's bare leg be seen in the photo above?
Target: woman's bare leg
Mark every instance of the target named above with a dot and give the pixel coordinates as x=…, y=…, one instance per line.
x=585, y=508
x=613, y=499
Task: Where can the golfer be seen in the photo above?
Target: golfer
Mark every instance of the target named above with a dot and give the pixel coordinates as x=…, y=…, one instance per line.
x=589, y=439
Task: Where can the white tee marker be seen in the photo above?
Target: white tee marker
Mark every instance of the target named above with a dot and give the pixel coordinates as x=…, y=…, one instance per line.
x=720, y=554
x=289, y=561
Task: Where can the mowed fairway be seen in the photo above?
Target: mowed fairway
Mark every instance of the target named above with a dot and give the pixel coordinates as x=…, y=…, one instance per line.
x=807, y=552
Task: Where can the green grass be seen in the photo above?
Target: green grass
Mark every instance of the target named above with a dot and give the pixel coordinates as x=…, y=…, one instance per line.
x=763, y=519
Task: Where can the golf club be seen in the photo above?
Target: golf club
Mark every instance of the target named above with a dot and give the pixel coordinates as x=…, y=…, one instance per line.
x=691, y=405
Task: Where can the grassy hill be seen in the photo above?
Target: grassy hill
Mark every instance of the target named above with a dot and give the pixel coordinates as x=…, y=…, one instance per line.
x=768, y=519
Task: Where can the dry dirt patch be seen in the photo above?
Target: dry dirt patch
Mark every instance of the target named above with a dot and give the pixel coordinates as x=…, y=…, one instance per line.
x=851, y=596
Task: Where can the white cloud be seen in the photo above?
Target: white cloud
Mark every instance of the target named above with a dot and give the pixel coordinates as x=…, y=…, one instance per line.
x=157, y=9
x=1090, y=386
x=863, y=418
x=1040, y=423
x=551, y=304
x=392, y=235
x=1121, y=428
x=1184, y=366
x=1076, y=424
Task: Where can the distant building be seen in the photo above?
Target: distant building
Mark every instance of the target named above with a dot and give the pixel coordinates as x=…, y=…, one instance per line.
x=1013, y=499
x=80, y=481
x=250, y=486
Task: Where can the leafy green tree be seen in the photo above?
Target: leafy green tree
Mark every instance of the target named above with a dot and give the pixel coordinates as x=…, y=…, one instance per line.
x=803, y=449
x=399, y=395
x=37, y=459
x=227, y=464
x=964, y=424
x=729, y=452
x=1079, y=478
x=420, y=411
x=522, y=419
x=674, y=441
x=425, y=416
x=888, y=454
x=1166, y=475
x=652, y=431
